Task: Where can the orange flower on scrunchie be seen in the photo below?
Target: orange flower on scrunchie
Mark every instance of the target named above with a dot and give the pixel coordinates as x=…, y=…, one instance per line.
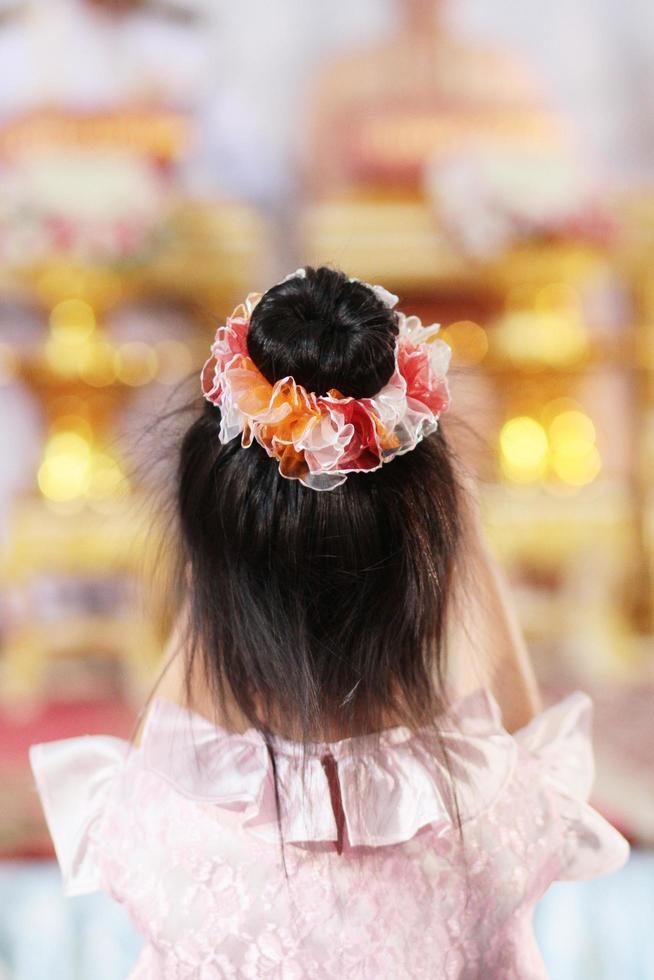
x=320, y=439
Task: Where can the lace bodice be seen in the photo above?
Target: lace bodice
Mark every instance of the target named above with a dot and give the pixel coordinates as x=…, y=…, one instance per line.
x=183, y=831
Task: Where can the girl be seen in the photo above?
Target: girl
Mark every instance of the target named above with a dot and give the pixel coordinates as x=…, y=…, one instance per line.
x=318, y=791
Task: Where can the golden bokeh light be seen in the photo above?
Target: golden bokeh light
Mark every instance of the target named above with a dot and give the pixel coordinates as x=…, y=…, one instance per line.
x=67, y=360
x=107, y=478
x=468, y=340
x=575, y=457
x=135, y=363
x=571, y=433
x=563, y=448
x=72, y=321
x=67, y=443
x=524, y=449
x=543, y=339
x=99, y=367
x=577, y=470
x=65, y=472
x=72, y=471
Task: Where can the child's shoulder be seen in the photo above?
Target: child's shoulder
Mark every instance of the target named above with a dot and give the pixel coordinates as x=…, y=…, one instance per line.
x=392, y=785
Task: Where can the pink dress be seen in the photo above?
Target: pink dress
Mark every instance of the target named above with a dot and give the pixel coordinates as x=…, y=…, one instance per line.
x=182, y=830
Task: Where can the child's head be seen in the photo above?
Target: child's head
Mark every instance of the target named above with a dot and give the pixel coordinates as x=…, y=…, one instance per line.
x=319, y=610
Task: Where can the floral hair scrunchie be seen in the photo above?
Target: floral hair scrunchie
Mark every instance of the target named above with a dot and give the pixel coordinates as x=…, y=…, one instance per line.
x=320, y=439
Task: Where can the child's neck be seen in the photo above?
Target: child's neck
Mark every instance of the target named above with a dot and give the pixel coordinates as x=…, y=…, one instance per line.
x=232, y=719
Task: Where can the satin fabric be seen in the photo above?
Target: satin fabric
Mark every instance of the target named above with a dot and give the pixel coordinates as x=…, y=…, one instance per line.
x=167, y=826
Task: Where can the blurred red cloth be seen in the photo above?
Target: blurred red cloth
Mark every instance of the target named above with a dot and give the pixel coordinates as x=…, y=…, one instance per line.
x=22, y=827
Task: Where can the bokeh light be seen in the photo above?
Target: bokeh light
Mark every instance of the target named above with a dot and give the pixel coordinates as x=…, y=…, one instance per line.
x=524, y=448
x=574, y=456
x=468, y=340
x=72, y=469
x=562, y=446
x=72, y=321
x=543, y=339
x=65, y=472
x=99, y=367
x=135, y=363
x=571, y=433
x=107, y=479
x=577, y=470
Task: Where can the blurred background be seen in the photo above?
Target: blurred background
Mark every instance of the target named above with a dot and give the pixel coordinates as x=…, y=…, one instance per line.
x=493, y=163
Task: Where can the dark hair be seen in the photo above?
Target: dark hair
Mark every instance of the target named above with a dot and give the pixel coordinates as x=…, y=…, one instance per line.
x=326, y=609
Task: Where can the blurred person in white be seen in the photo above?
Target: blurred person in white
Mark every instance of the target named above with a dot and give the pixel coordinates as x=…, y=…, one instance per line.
x=385, y=109
x=430, y=112
x=593, y=60
x=112, y=55
x=318, y=791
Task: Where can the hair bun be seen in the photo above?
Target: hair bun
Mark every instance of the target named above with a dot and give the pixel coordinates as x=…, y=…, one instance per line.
x=326, y=331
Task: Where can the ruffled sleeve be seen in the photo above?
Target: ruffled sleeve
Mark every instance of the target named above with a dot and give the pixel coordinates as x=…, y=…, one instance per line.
x=560, y=738
x=74, y=777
